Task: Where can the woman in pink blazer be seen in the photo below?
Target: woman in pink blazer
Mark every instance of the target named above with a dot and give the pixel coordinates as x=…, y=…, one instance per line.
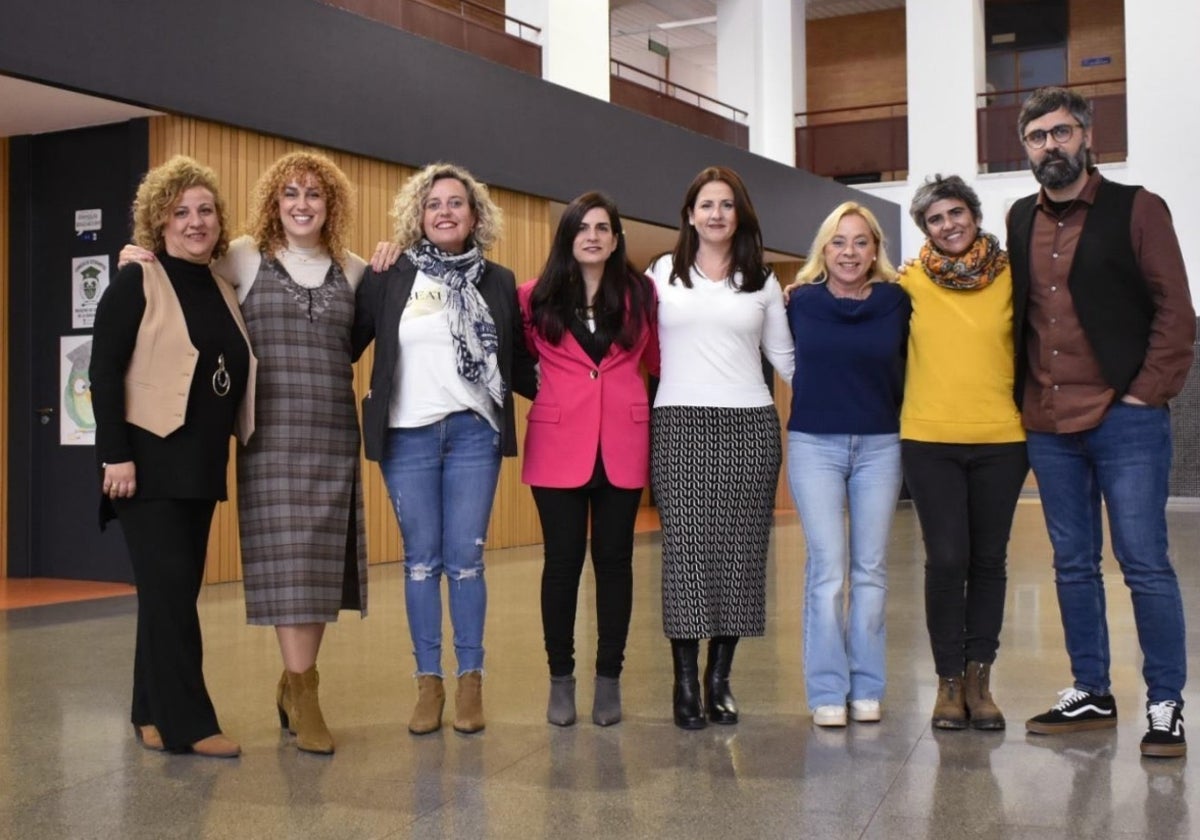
x=589, y=320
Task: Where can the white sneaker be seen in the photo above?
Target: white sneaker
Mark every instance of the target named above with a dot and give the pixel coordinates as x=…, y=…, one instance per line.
x=864, y=711
x=829, y=716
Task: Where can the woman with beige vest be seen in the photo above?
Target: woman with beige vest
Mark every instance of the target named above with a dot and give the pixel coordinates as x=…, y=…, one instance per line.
x=172, y=375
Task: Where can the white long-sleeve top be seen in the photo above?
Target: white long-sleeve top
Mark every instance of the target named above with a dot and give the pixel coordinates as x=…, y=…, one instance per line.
x=711, y=336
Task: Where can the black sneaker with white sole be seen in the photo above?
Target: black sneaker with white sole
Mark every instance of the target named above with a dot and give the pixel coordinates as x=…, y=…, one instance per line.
x=1164, y=738
x=1075, y=711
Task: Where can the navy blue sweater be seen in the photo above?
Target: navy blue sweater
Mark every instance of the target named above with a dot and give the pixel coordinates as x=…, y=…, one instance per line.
x=849, y=360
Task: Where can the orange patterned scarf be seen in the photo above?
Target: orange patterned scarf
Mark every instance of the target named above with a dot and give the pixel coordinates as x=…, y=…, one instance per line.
x=974, y=269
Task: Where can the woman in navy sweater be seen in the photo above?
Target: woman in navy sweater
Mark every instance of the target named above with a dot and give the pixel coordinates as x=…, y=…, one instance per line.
x=850, y=325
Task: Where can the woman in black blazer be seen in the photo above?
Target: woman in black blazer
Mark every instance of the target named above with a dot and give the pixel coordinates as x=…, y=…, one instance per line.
x=162, y=448
x=439, y=415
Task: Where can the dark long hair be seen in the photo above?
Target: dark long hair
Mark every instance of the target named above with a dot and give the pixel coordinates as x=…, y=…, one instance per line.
x=624, y=303
x=747, y=254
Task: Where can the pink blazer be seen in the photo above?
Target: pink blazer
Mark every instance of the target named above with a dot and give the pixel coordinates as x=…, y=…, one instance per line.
x=581, y=406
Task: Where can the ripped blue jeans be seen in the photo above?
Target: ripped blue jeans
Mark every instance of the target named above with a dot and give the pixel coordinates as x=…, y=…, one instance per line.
x=442, y=479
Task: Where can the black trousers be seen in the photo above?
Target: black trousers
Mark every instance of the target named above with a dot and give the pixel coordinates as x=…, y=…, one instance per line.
x=167, y=540
x=564, y=517
x=966, y=495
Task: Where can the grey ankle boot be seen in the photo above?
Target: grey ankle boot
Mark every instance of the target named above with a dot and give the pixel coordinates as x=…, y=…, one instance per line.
x=606, y=703
x=561, y=709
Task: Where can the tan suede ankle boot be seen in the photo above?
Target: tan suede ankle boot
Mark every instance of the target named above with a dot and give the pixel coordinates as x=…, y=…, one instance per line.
x=984, y=712
x=431, y=697
x=950, y=708
x=468, y=703
x=283, y=703
x=306, y=720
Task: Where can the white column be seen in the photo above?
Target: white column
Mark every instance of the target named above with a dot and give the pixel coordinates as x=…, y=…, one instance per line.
x=754, y=71
x=944, y=75
x=575, y=41
x=1163, y=113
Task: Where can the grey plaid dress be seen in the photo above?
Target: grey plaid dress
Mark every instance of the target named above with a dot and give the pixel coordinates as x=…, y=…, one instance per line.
x=304, y=551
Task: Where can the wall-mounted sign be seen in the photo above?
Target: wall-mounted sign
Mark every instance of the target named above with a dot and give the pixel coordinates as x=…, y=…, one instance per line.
x=1096, y=60
x=89, y=279
x=88, y=223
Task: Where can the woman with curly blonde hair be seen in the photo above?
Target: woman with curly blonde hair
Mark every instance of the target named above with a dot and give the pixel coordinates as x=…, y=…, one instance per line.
x=163, y=451
x=300, y=515
x=439, y=415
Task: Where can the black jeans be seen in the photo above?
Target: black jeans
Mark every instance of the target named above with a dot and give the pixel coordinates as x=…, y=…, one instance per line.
x=965, y=495
x=167, y=540
x=564, y=516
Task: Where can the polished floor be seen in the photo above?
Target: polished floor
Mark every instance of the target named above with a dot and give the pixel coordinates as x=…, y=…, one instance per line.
x=69, y=766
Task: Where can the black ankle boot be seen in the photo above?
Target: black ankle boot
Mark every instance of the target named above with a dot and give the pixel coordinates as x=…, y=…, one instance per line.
x=688, y=715
x=718, y=699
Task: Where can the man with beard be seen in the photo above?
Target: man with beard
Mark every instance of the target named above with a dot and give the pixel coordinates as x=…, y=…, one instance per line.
x=1104, y=327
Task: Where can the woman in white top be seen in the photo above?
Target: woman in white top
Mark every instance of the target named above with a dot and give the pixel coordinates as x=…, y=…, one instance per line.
x=439, y=416
x=715, y=439
x=300, y=517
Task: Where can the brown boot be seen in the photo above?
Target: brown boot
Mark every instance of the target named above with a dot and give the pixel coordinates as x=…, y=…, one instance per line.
x=950, y=708
x=148, y=737
x=984, y=712
x=217, y=746
x=468, y=703
x=305, y=718
x=283, y=703
x=431, y=697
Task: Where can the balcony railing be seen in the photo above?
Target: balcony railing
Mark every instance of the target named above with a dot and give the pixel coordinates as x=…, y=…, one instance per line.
x=1001, y=150
x=861, y=144
x=658, y=97
x=465, y=25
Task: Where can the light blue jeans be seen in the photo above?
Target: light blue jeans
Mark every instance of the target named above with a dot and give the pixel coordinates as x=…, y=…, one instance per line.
x=830, y=476
x=442, y=480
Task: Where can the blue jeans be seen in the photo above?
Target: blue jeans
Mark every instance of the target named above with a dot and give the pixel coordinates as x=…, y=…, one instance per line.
x=844, y=657
x=442, y=479
x=1127, y=461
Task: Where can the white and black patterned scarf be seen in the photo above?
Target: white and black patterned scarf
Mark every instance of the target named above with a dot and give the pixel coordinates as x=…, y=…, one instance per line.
x=471, y=326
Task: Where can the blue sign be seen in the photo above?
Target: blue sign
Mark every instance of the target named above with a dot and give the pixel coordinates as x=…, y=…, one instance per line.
x=1097, y=61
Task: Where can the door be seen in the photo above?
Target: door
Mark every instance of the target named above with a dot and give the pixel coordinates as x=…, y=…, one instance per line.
x=71, y=196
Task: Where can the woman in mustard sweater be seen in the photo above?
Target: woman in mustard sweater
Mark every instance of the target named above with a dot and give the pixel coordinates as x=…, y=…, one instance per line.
x=962, y=444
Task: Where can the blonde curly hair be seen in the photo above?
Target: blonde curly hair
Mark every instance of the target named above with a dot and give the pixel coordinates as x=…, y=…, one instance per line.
x=159, y=193
x=408, y=208
x=265, y=226
x=814, y=269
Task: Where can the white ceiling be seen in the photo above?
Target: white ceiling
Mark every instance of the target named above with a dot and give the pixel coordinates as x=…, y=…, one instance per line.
x=632, y=21
x=29, y=108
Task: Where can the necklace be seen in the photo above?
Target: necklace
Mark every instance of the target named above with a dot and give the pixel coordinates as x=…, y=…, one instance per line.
x=305, y=256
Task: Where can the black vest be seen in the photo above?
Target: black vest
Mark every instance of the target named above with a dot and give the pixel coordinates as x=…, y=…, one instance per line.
x=1108, y=290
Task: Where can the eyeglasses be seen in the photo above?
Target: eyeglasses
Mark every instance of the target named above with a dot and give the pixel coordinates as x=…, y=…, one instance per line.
x=1061, y=133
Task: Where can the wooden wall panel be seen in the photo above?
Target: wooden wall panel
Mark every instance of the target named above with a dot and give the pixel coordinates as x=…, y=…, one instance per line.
x=873, y=71
x=3, y=357
x=239, y=157
x=1096, y=28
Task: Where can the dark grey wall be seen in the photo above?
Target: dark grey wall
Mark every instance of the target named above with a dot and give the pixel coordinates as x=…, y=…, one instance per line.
x=303, y=70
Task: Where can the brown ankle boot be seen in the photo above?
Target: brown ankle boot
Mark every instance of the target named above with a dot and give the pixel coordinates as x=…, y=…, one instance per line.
x=984, y=712
x=283, y=703
x=468, y=703
x=305, y=718
x=217, y=746
x=950, y=708
x=431, y=697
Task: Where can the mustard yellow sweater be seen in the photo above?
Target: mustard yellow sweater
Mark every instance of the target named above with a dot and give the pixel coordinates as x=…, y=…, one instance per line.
x=959, y=377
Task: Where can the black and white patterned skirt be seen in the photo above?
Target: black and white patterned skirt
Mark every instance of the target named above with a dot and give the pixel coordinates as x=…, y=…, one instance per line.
x=714, y=473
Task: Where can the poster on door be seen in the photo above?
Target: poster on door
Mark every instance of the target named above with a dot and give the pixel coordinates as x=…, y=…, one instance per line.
x=89, y=279
x=77, y=421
